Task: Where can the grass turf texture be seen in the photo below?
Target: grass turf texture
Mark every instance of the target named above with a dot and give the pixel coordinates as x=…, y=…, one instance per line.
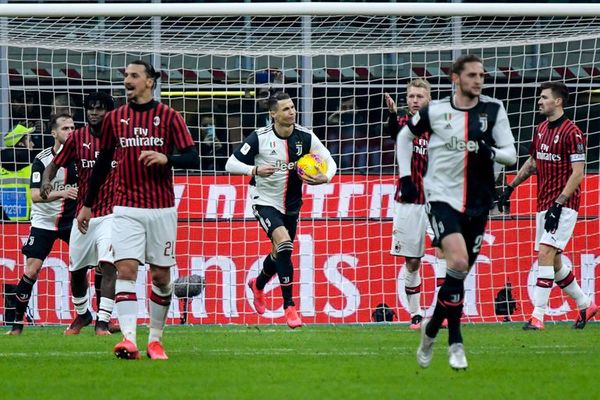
x=320, y=362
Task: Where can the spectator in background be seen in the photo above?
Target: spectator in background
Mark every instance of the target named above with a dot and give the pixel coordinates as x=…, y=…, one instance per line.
x=15, y=170
x=26, y=110
x=347, y=135
x=212, y=150
x=255, y=112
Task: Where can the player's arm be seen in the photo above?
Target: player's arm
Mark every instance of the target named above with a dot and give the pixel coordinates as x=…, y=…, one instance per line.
x=504, y=151
x=317, y=147
x=241, y=162
x=37, y=171
x=577, y=159
x=393, y=126
x=528, y=169
x=65, y=156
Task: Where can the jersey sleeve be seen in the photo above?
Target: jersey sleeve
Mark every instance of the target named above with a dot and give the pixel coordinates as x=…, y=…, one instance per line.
x=501, y=132
x=317, y=147
x=419, y=123
x=181, y=133
x=37, y=170
x=576, y=145
x=533, y=144
x=66, y=154
x=107, y=139
x=248, y=149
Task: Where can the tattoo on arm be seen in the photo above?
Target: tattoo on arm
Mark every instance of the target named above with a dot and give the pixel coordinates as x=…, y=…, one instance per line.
x=561, y=199
x=525, y=172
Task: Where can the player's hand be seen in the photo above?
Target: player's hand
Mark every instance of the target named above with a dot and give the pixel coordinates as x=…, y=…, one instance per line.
x=83, y=219
x=390, y=103
x=70, y=193
x=318, y=179
x=45, y=190
x=485, y=150
x=408, y=190
x=503, y=202
x=150, y=157
x=552, y=218
x=266, y=170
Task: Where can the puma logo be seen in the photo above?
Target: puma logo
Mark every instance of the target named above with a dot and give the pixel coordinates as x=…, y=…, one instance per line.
x=125, y=121
x=87, y=145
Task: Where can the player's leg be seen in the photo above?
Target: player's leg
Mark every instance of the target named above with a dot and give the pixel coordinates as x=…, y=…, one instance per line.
x=98, y=285
x=408, y=240
x=129, y=253
x=36, y=249
x=563, y=276
x=412, y=288
x=105, y=289
x=81, y=254
x=161, y=232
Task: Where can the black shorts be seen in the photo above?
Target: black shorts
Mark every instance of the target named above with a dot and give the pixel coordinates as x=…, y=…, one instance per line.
x=40, y=241
x=270, y=219
x=446, y=220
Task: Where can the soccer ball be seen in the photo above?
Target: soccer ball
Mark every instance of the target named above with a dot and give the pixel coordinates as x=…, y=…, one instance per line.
x=310, y=164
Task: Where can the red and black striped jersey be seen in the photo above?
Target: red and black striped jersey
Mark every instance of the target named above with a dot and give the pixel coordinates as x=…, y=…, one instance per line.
x=82, y=148
x=555, y=146
x=418, y=166
x=133, y=128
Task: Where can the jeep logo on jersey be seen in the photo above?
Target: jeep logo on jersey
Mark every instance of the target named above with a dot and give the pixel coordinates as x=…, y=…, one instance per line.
x=461, y=145
x=59, y=186
x=282, y=165
x=483, y=122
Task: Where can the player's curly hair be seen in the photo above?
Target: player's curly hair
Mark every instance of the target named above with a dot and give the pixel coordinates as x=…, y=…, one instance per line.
x=104, y=99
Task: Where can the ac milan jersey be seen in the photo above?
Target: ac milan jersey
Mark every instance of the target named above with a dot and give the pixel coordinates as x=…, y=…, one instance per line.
x=283, y=189
x=56, y=215
x=133, y=128
x=556, y=145
x=82, y=148
x=457, y=174
x=418, y=166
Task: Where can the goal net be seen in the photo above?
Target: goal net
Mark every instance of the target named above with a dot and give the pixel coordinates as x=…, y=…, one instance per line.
x=218, y=71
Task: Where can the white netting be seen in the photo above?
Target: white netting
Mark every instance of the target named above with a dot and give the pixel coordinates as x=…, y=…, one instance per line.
x=217, y=71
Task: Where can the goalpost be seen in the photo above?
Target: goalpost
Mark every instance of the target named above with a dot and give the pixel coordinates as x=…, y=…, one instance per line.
x=218, y=63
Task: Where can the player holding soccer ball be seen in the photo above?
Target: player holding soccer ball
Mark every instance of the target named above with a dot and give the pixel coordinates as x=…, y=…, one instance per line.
x=270, y=155
x=557, y=155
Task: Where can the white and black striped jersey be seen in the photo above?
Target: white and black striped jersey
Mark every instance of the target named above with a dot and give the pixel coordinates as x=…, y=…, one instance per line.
x=58, y=214
x=457, y=174
x=283, y=189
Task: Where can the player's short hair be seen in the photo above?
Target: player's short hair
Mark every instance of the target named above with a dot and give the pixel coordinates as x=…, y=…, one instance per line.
x=55, y=117
x=150, y=71
x=275, y=98
x=558, y=89
x=459, y=65
x=419, y=83
x=104, y=99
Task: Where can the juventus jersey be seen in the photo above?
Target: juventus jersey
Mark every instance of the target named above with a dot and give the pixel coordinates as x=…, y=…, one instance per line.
x=457, y=174
x=55, y=215
x=283, y=189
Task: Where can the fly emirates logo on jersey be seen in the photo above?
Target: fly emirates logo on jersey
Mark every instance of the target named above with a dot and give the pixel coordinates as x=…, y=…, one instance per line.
x=85, y=163
x=141, y=139
x=545, y=154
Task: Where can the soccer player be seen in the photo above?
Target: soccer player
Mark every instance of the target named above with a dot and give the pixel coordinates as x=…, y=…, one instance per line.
x=269, y=156
x=467, y=133
x=92, y=250
x=410, y=219
x=557, y=155
x=51, y=218
x=142, y=136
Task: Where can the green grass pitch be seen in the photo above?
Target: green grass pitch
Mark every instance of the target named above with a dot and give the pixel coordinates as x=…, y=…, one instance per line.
x=314, y=362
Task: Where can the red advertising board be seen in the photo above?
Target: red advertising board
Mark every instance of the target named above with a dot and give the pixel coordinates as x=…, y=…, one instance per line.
x=342, y=271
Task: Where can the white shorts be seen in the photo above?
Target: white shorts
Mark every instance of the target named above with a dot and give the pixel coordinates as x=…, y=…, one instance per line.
x=560, y=238
x=92, y=248
x=145, y=234
x=409, y=228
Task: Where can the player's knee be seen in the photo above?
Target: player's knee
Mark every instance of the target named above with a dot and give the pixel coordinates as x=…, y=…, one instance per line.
x=413, y=264
x=460, y=264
